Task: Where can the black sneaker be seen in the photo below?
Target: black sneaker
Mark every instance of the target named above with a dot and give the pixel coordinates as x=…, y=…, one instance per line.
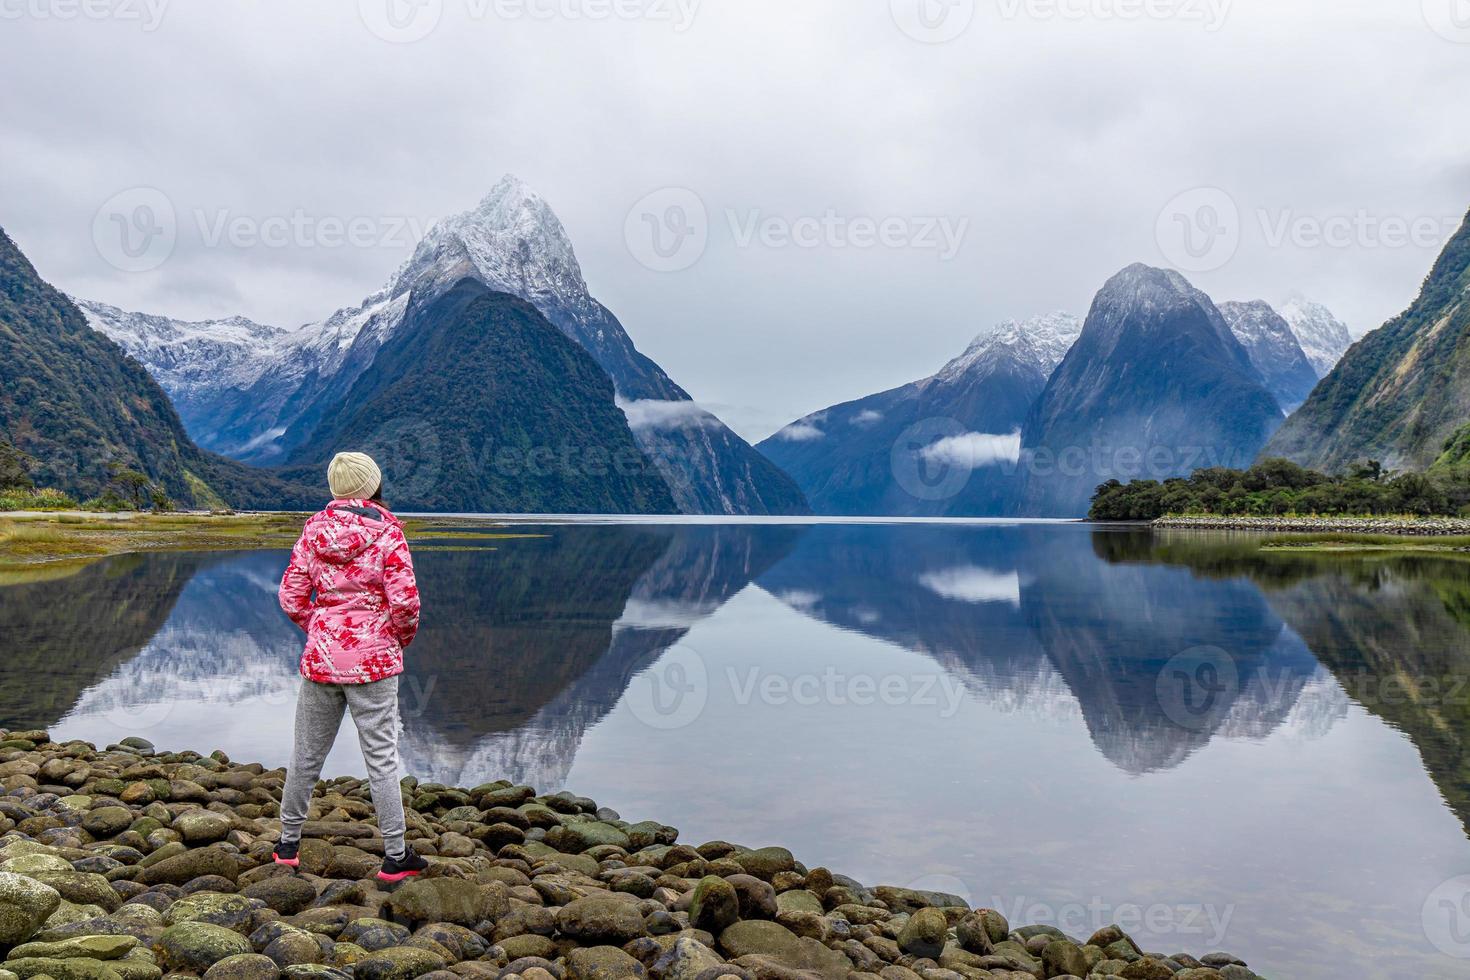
x=408, y=866
x=286, y=854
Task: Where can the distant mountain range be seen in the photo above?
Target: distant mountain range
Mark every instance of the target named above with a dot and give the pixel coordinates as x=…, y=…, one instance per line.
x=259, y=393
x=869, y=456
x=1274, y=351
x=486, y=352
x=1401, y=395
x=1156, y=386
x=1163, y=372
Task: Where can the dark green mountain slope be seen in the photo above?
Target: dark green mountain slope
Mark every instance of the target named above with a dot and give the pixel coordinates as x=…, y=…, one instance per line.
x=479, y=403
x=1399, y=394
x=74, y=401
x=1157, y=386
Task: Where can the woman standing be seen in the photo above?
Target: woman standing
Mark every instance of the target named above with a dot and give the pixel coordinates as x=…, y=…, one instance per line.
x=350, y=585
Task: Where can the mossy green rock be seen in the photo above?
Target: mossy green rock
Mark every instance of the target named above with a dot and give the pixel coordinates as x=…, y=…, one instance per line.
x=765, y=862
x=761, y=937
x=91, y=947
x=184, y=868
x=81, y=887
x=196, y=946
x=715, y=904
x=24, y=904
x=399, y=963
x=72, y=969
x=35, y=863
x=924, y=933
x=287, y=894
x=528, y=944
x=686, y=959
x=107, y=821
x=457, y=900
x=583, y=835
x=799, y=900
x=244, y=966
x=602, y=963
x=597, y=920
x=234, y=912
x=294, y=949
x=202, y=826
x=1061, y=957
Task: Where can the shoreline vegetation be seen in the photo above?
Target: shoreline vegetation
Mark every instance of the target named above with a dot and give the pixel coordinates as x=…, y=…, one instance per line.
x=1344, y=527
x=1280, y=489
x=129, y=863
x=55, y=544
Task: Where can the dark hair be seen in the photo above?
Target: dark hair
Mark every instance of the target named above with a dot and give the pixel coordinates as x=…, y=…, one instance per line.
x=378, y=494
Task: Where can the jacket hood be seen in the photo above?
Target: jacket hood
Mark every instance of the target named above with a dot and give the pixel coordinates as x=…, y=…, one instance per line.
x=345, y=529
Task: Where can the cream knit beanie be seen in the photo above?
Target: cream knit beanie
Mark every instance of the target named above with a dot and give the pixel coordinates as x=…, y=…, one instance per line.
x=353, y=476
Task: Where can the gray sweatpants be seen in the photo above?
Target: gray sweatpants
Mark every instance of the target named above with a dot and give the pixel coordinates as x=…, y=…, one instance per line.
x=319, y=710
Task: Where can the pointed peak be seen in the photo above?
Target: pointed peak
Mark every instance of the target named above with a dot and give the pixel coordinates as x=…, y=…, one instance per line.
x=511, y=240
x=510, y=192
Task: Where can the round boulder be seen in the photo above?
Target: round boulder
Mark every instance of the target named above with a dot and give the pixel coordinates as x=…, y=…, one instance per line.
x=924, y=933
x=715, y=905
x=24, y=904
x=596, y=920
x=196, y=946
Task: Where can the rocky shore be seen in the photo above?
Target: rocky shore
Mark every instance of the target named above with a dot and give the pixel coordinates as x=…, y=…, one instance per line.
x=1413, y=526
x=131, y=864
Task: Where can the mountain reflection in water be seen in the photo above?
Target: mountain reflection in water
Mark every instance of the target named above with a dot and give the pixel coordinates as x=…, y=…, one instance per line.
x=1065, y=769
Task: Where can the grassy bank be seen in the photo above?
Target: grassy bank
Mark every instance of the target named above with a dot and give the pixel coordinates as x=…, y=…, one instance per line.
x=33, y=546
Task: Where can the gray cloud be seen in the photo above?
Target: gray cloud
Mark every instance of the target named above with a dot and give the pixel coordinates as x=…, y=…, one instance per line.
x=1057, y=139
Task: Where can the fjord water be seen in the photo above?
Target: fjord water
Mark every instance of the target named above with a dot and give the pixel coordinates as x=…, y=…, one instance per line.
x=988, y=709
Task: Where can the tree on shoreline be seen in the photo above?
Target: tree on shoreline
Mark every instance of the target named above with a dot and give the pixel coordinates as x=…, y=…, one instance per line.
x=1275, y=487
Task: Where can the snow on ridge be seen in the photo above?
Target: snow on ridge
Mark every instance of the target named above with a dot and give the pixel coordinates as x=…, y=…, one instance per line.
x=1323, y=337
x=1041, y=341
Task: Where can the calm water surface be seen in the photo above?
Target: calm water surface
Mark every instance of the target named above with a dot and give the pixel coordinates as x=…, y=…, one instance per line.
x=1212, y=746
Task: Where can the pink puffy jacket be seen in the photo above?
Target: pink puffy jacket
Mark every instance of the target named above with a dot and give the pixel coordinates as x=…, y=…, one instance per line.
x=365, y=610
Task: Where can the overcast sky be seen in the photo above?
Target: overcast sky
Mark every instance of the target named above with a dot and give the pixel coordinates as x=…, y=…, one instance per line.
x=868, y=184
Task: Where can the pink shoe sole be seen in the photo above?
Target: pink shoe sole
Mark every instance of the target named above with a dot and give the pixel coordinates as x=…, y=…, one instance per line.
x=391, y=879
x=288, y=862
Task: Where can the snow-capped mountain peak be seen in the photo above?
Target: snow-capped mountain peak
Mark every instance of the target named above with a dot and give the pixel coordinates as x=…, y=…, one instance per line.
x=513, y=241
x=1324, y=338
x=1041, y=341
